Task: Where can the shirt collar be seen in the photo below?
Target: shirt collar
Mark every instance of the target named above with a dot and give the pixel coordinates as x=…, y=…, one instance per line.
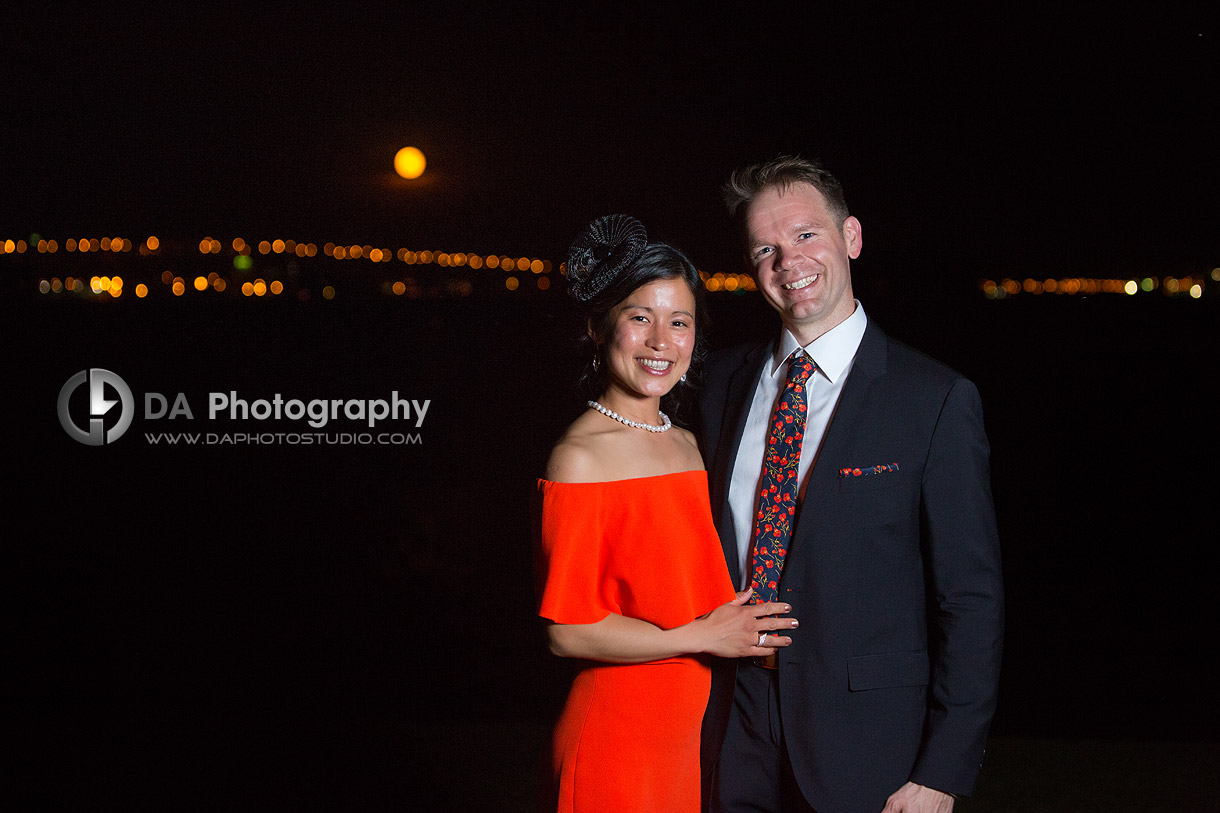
x=832, y=352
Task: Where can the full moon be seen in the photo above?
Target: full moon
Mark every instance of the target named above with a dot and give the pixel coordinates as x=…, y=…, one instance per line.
x=409, y=162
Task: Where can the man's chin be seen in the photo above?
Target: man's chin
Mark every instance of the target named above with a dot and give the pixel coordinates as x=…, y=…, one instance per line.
x=804, y=315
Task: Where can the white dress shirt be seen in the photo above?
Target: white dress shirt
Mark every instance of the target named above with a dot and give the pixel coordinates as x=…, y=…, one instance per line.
x=833, y=353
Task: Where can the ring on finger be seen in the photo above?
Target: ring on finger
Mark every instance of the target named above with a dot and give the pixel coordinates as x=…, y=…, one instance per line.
x=762, y=638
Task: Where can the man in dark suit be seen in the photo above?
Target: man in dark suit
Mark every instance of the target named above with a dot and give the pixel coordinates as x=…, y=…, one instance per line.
x=886, y=542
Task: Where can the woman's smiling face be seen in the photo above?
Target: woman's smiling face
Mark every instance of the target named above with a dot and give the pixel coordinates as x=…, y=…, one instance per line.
x=652, y=336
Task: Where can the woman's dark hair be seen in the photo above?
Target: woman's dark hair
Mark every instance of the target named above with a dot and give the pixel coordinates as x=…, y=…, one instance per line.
x=617, y=272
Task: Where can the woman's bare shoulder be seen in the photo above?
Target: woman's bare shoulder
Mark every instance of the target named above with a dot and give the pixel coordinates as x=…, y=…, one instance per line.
x=688, y=437
x=578, y=456
x=690, y=444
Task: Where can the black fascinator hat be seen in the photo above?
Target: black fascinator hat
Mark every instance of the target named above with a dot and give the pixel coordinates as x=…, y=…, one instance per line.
x=602, y=253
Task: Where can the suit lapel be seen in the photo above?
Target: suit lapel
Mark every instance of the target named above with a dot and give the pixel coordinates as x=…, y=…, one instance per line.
x=847, y=420
x=738, y=397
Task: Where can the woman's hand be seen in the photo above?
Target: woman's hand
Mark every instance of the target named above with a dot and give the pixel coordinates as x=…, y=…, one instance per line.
x=733, y=630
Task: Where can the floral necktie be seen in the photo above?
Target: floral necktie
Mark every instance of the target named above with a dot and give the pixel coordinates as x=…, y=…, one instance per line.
x=777, y=494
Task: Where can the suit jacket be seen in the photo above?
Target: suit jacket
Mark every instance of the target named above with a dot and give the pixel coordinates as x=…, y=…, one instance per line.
x=895, y=578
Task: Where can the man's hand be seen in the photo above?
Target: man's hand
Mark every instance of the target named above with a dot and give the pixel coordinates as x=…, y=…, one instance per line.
x=912, y=798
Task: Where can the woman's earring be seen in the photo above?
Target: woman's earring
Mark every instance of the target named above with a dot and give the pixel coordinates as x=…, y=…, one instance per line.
x=597, y=361
x=682, y=380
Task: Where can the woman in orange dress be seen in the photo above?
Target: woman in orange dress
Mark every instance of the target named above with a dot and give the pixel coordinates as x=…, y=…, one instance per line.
x=633, y=580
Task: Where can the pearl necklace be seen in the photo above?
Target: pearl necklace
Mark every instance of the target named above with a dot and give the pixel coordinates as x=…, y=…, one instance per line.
x=610, y=413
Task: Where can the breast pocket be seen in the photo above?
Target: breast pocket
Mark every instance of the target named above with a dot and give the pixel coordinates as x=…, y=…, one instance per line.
x=879, y=477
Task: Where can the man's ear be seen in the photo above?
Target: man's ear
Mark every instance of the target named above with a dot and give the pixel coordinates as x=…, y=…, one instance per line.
x=853, y=235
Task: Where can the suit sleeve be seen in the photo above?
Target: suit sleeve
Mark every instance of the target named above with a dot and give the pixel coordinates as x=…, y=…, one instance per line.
x=966, y=620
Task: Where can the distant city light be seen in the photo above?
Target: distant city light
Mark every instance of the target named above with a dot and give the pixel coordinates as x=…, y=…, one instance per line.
x=286, y=268
x=1085, y=286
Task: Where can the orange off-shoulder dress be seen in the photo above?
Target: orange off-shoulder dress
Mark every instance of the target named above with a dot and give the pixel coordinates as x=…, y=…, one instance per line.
x=628, y=737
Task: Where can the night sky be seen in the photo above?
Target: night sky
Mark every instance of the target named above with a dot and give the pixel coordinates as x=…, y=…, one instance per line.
x=248, y=622
x=982, y=142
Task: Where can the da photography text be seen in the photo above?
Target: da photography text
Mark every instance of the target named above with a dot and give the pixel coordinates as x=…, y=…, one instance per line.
x=96, y=407
x=317, y=412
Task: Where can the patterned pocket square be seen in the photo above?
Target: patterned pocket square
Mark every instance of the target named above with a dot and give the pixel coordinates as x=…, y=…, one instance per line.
x=865, y=472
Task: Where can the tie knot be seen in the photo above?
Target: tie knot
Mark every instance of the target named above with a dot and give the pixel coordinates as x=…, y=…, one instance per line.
x=800, y=367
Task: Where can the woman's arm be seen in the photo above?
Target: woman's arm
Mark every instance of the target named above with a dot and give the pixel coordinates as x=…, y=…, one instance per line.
x=730, y=631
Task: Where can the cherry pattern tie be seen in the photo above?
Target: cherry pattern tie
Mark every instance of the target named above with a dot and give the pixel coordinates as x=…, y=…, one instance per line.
x=777, y=494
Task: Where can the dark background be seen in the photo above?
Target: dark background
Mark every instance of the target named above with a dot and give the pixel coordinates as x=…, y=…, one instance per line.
x=350, y=627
